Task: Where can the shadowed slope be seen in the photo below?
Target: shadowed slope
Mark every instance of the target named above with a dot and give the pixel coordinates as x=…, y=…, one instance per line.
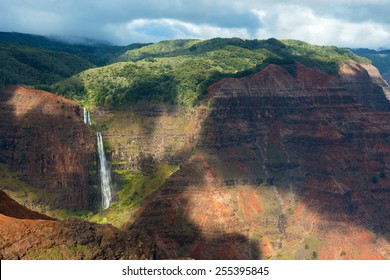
x=43, y=137
x=25, y=234
x=11, y=208
x=286, y=163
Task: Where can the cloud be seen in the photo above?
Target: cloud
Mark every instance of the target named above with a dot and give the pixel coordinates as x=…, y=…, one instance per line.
x=355, y=23
x=151, y=30
x=289, y=21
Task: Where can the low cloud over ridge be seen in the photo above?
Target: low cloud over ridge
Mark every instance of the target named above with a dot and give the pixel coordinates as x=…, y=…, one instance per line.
x=345, y=23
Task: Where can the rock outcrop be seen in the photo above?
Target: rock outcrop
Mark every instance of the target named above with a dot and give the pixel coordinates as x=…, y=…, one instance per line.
x=11, y=208
x=25, y=234
x=287, y=165
x=43, y=137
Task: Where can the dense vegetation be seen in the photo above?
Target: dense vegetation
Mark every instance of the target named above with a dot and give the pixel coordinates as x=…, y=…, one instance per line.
x=180, y=71
x=98, y=53
x=29, y=66
x=176, y=72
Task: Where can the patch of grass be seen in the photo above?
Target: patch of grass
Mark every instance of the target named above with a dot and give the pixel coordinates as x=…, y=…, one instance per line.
x=119, y=163
x=66, y=213
x=35, y=199
x=61, y=252
x=120, y=171
x=136, y=186
x=104, y=220
x=312, y=244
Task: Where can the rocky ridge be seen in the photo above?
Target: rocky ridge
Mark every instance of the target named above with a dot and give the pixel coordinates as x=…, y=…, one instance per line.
x=25, y=234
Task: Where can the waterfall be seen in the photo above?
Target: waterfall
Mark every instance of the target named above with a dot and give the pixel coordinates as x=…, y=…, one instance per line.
x=105, y=173
x=87, y=116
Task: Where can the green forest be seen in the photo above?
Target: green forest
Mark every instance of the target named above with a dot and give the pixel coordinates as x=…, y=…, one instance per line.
x=179, y=72
x=176, y=72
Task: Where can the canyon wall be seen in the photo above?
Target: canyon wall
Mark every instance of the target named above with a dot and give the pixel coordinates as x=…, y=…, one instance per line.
x=44, y=140
x=278, y=165
x=147, y=134
x=285, y=165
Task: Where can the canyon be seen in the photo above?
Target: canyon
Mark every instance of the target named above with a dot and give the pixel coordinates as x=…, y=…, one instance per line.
x=286, y=162
x=284, y=166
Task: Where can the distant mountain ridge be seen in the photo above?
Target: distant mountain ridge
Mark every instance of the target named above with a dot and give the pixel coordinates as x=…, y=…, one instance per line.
x=26, y=65
x=97, y=52
x=33, y=59
x=380, y=59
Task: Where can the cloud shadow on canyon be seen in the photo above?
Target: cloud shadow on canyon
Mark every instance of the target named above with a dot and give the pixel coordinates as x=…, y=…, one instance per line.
x=321, y=152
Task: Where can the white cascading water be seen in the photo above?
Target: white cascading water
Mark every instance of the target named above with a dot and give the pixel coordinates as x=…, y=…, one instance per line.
x=87, y=117
x=105, y=173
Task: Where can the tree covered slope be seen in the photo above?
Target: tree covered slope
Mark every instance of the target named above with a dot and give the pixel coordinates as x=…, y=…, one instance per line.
x=30, y=66
x=179, y=72
x=96, y=52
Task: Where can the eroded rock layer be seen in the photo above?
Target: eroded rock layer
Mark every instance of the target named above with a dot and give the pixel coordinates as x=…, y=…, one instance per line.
x=43, y=137
x=287, y=165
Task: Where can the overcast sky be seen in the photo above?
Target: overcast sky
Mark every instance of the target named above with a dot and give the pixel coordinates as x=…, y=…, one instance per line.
x=344, y=23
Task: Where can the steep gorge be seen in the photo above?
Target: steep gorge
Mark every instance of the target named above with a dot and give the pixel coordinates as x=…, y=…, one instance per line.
x=286, y=164
x=279, y=164
x=47, y=159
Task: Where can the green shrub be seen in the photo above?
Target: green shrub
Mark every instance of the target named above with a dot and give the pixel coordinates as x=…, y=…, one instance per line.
x=315, y=255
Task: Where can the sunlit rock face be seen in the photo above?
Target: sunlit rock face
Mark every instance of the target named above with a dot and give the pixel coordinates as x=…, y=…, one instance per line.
x=43, y=137
x=285, y=164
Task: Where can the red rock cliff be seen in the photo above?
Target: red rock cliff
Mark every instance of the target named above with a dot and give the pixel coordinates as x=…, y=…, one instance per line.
x=43, y=137
x=286, y=165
